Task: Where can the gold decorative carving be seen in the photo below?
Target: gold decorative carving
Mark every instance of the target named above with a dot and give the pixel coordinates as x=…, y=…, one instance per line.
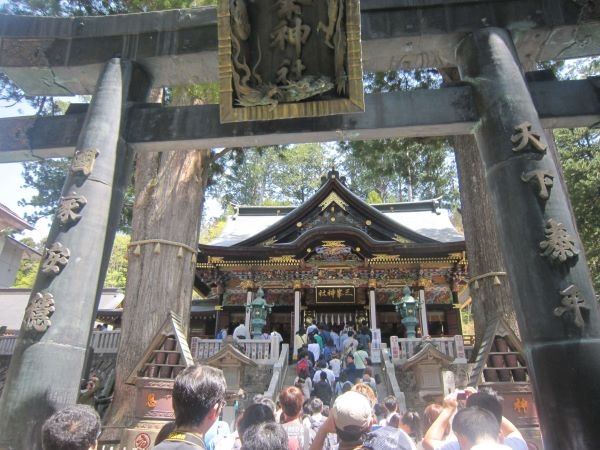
x=68, y=208
x=216, y=259
x=283, y=258
x=313, y=69
x=247, y=284
x=84, y=160
x=378, y=257
x=333, y=7
x=269, y=242
x=297, y=285
x=39, y=310
x=424, y=282
x=334, y=244
x=151, y=400
x=401, y=239
x=55, y=258
x=543, y=180
x=573, y=303
x=559, y=245
x=333, y=198
x=520, y=405
x=524, y=137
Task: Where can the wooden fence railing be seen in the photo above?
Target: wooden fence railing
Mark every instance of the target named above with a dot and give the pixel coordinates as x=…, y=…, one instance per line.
x=265, y=351
x=453, y=346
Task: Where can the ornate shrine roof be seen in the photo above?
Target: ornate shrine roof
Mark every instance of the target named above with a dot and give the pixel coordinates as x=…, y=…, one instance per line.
x=334, y=215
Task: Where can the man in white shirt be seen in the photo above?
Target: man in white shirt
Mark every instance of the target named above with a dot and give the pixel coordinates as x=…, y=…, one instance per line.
x=240, y=332
x=278, y=335
x=336, y=365
x=322, y=367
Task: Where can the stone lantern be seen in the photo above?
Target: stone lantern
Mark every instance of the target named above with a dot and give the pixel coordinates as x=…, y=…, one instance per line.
x=408, y=306
x=259, y=310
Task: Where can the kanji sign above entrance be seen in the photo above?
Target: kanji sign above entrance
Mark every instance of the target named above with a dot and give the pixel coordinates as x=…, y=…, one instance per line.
x=335, y=294
x=280, y=59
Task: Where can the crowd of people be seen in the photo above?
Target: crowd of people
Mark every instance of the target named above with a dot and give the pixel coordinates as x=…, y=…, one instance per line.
x=354, y=420
x=333, y=405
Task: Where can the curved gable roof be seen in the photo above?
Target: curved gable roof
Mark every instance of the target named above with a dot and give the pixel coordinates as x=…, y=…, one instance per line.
x=408, y=223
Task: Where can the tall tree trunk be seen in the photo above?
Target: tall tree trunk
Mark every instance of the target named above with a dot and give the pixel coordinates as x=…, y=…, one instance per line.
x=169, y=190
x=490, y=301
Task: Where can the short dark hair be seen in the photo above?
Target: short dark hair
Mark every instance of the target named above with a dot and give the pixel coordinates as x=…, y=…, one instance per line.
x=196, y=390
x=412, y=419
x=487, y=399
x=475, y=424
x=75, y=427
x=390, y=403
x=265, y=436
x=253, y=415
x=394, y=420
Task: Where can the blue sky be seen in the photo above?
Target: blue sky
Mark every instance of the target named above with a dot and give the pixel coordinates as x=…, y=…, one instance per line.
x=12, y=179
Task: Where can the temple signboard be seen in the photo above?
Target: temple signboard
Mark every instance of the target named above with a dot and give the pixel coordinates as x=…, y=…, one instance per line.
x=335, y=294
x=281, y=59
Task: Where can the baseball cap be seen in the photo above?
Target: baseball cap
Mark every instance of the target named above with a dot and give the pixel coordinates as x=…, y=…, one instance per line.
x=352, y=412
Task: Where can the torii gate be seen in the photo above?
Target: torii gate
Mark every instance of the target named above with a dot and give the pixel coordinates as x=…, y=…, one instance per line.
x=553, y=295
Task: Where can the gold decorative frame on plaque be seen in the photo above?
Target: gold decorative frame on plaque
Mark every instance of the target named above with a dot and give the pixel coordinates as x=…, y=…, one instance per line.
x=282, y=59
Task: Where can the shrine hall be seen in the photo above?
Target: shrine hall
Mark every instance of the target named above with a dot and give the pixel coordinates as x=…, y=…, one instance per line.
x=334, y=260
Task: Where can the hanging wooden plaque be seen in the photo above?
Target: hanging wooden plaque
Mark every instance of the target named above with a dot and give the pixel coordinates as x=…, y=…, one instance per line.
x=335, y=294
x=281, y=59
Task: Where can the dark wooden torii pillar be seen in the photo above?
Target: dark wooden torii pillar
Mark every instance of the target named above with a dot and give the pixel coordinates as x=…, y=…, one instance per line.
x=551, y=286
x=48, y=361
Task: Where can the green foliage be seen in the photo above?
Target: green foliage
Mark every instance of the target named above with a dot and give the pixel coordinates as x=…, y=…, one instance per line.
x=212, y=229
x=401, y=169
x=579, y=151
x=26, y=274
x=196, y=94
x=467, y=322
x=47, y=178
x=401, y=80
x=116, y=275
x=64, y=8
x=29, y=265
x=270, y=175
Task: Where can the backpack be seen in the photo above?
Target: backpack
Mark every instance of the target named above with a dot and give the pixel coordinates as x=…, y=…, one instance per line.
x=302, y=365
x=315, y=424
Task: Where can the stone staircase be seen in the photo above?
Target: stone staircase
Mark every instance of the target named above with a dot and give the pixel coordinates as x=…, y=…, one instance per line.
x=382, y=390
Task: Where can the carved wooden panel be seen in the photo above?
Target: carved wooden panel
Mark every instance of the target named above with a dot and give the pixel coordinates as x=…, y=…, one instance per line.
x=281, y=59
